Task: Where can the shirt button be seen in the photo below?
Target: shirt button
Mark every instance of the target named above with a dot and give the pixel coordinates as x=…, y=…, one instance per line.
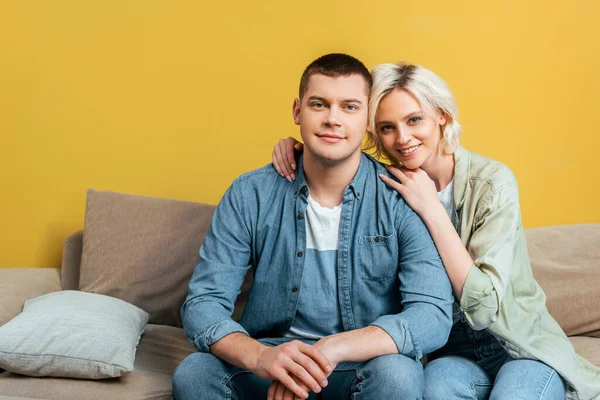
x=502, y=342
x=299, y=216
x=299, y=254
x=288, y=320
x=295, y=289
x=377, y=239
x=304, y=190
x=358, y=194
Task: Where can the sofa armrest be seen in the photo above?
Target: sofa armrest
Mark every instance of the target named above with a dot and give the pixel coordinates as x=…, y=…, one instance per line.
x=17, y=285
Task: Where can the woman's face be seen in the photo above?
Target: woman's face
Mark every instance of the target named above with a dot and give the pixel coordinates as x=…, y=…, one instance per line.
x=408, y=133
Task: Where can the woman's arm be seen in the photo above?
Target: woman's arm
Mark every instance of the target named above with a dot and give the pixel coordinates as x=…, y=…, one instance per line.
x=420, y=193
x=480, y=273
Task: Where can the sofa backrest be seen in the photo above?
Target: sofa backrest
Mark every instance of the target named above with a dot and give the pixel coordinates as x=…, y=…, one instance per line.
x=565, y=259
x=566, y=263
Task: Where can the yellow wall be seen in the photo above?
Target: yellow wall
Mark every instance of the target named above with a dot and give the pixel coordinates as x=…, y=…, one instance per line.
x=175, y=99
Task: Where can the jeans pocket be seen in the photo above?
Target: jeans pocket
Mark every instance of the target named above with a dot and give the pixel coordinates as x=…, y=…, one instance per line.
x=378, y=257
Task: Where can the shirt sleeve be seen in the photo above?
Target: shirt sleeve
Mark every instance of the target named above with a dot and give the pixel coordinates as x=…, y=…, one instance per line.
x=224, y=260
x=426, y=318
x=497, y=227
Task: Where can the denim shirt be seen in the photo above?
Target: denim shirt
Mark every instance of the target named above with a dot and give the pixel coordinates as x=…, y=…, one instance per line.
x=389, y=272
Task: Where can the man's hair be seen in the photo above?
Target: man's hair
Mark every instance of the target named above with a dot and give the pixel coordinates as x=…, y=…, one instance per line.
x=431, y=92
x=335, y=65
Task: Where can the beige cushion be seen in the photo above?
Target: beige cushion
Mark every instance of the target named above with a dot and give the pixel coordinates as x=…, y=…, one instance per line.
x=17, y=285
x=161, y=349
x=71, y=261
x=566, y=263
x=142, y=250
x=588, y=348
x=72, y=334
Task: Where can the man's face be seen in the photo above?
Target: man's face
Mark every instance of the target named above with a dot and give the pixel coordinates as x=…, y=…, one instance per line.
x=332, y=117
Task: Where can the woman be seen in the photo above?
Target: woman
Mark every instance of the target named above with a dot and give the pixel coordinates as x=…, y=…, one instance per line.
x=504, y=343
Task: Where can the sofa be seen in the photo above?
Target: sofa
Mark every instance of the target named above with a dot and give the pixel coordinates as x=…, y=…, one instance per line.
x=143, y=250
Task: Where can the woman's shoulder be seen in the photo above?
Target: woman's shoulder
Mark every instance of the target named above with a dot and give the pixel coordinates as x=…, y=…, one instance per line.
x=489, y=172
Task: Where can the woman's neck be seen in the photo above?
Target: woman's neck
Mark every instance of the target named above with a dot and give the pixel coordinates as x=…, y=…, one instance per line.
x=440, y=169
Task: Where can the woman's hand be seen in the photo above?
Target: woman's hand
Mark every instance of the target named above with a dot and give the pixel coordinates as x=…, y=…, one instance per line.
x=416, y=187
x=284, y=159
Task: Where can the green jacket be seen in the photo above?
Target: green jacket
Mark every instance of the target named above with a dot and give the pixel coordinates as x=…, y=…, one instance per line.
x=500, y=293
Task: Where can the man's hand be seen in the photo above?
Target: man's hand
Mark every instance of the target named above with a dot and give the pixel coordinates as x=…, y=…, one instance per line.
x=278, y=391
x=297, y=366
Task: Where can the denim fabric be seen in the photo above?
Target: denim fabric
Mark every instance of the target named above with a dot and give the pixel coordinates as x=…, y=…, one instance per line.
x=473, y=365
x=205, y=376
x=389, y=271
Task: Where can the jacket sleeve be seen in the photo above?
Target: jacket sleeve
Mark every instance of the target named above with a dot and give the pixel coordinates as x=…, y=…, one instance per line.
x=224, y=260
x=425, y=321
x=496, y=228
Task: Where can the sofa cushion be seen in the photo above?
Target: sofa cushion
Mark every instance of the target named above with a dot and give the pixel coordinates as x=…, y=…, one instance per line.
x=159, y=352
x=17, y=285
x=72, y=334
x=587, y=347
x=142, y=250
x=566, y=263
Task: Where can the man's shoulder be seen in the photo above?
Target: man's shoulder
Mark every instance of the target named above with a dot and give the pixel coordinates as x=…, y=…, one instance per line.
x=256, y=175
x=384, y=195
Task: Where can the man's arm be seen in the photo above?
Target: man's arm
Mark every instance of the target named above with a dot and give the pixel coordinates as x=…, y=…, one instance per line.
x=425, y=321
x=225, y=258
x=358, y=345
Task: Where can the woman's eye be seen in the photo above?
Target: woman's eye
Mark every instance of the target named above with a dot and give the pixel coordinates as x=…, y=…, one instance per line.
x=414, y=120
x=386, y=128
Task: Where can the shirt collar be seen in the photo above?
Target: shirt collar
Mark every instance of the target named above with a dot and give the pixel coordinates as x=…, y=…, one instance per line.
x=355, y=187
x=462, y=172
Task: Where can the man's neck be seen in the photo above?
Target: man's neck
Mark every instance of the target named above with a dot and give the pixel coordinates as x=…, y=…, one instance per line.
x=328, y=180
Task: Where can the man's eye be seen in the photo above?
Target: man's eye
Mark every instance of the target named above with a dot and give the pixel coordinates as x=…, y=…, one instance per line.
x=318, y=105
x=351, y=107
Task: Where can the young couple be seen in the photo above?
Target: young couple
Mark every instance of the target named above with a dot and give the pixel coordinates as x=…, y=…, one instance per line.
x=357, y=275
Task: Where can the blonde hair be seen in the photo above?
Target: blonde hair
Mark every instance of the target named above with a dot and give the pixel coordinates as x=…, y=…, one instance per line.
x=431, y=92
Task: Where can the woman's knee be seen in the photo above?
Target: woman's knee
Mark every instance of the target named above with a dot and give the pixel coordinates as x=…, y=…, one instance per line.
x=526, y=379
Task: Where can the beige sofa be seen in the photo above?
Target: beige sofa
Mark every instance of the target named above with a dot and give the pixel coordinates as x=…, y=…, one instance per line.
x=144, y=250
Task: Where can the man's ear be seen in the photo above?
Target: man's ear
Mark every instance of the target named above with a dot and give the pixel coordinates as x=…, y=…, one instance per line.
x=296, y=111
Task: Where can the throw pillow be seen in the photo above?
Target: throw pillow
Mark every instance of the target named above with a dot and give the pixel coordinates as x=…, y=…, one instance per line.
x=72, y=334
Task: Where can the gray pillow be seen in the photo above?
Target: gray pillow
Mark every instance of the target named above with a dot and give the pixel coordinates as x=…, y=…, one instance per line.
x=72, y=334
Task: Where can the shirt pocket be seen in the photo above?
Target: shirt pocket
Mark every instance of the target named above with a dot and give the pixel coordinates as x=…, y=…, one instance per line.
x=378, y=257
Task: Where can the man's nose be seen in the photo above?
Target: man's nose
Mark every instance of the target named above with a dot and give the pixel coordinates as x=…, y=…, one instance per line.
x=333, y=115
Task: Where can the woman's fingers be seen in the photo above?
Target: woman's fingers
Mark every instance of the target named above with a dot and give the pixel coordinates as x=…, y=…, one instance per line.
x=392, y=183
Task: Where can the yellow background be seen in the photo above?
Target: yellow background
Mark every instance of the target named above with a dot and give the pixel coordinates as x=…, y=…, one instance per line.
x=175, y=99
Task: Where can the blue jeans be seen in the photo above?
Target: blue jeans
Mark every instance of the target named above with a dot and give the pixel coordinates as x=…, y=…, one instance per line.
x=473, y=365
x=205, y=376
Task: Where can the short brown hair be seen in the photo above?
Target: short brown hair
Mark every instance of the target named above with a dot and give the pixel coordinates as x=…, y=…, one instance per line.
x=334, y=65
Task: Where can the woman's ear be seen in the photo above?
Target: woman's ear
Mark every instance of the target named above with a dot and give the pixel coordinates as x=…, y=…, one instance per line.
x=442, y=119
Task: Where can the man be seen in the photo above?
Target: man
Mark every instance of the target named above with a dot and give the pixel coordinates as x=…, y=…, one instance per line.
x=349, y=291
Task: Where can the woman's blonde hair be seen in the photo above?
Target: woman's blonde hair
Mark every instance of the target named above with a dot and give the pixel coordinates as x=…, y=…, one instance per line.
x=431, y=92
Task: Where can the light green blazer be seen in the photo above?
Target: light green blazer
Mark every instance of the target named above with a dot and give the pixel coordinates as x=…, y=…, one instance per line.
x=500, y=293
